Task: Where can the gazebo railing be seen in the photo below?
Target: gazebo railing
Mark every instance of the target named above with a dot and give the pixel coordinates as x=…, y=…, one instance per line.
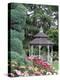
x=43, y=57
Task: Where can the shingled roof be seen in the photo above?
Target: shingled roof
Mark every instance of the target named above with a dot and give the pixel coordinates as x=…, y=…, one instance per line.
x=40, y=35
x=41, y=39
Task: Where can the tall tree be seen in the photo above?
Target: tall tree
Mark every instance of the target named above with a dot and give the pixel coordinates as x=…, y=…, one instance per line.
x=17, y=22
x=42, y=15
x=53, y=35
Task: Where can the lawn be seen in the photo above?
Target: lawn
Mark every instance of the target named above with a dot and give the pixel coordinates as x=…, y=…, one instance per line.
x=55, y=64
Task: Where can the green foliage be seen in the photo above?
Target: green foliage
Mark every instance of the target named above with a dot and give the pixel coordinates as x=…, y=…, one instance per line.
x=16, y=60
x=16, y=45
x=17, y=23
x=14, y=5
x=16, y=27
x=29, y=63
x=15, y=56
x=36, y=51
x=17, y=18
x=44, y=13
x=31, y=28
x=29, y=20
x=16, y=34
x=54, y=8
x=53, y=35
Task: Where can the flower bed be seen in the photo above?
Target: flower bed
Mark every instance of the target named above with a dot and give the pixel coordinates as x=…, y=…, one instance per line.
x=38, y=67
x=42, y=65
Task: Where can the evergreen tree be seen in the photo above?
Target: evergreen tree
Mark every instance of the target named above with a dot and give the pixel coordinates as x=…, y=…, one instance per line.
x=17, y=22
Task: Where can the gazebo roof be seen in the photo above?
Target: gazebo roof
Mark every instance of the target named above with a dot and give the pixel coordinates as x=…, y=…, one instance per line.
x=41, y=35
x=41, y=39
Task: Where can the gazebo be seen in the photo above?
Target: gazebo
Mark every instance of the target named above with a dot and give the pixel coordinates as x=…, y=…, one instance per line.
x=41, y=39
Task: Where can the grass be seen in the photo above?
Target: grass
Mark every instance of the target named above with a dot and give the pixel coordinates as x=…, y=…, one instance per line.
x=55, y=64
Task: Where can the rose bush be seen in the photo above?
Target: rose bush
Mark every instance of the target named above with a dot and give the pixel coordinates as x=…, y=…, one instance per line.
x=42, y=64
x=39, y=67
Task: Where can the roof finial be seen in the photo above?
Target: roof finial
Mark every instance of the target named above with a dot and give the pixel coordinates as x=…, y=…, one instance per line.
x=41, y=29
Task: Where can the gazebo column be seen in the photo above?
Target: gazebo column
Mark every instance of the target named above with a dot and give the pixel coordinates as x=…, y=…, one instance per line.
x=31, y=50
x=39, y=51
x=48, y=56
x=51, y=54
